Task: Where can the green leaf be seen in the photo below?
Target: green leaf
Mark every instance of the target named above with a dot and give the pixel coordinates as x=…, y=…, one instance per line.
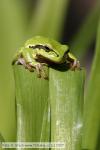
x=48, y=18
x=92, y=103
x=11, y=36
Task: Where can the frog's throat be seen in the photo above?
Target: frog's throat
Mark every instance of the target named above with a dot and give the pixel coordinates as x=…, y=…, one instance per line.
x=42, y=59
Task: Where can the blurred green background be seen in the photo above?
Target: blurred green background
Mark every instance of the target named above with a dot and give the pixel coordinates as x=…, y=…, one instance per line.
x=70, y=22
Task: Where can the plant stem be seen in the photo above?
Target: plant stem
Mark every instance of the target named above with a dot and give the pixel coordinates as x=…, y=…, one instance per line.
x=66, y=98
x=50, y=110
x=31, y=101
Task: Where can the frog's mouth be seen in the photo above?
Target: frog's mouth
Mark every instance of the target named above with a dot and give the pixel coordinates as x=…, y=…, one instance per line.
x=45, y=48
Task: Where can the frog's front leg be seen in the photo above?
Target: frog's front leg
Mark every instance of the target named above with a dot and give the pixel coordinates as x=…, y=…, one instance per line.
x=32, y=64
x=22, y=58
x=26, y=59
x=41, y=69
x=72, y=61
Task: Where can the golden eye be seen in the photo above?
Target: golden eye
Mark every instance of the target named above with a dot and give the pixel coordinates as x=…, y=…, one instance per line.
x=47, y=49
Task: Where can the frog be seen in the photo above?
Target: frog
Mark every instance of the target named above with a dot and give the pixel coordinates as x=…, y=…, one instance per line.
x=39, y=52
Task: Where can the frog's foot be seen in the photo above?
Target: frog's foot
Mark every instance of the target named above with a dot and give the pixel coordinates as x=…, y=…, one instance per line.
x=75, y=65
x=41, y=70
x=21, y=61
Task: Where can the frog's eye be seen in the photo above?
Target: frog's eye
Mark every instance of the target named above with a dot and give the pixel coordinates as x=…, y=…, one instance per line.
x=47, y=49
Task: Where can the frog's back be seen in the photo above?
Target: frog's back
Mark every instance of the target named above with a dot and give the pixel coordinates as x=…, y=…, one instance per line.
x=42, y=40
x=53, y=44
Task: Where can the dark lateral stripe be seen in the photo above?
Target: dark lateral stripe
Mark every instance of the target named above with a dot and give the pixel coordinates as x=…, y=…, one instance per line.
x=46, y=48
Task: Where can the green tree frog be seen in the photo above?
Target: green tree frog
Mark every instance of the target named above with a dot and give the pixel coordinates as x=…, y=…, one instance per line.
x=39, y=52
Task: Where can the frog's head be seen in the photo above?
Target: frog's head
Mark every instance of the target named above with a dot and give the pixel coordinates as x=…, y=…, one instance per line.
x=47, y=48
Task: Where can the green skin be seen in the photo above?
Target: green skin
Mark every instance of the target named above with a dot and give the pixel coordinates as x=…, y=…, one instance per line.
x=46, y=49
